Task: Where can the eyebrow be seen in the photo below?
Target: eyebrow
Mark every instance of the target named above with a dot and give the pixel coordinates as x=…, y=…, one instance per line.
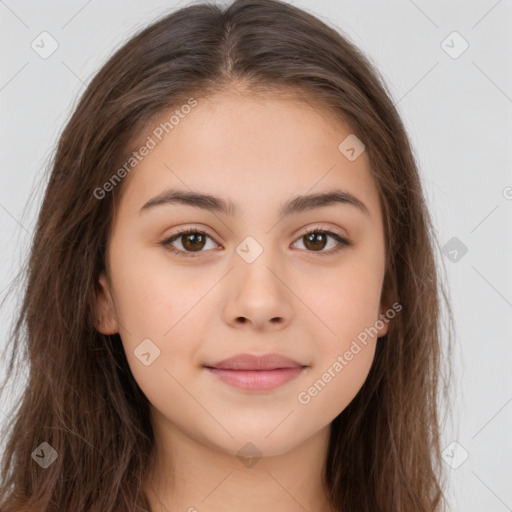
x=214, y=203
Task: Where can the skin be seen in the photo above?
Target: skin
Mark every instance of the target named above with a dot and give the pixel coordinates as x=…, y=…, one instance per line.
x=296, y=301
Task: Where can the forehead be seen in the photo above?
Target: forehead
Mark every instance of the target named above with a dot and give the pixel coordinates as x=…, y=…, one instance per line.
x=252, y=150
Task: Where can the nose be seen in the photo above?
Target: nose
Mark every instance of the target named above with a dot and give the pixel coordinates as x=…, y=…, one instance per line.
x=259, y=294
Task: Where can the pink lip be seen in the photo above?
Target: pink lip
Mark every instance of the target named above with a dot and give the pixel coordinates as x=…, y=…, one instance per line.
x=256, y=373
x=255, y=362
x=257, y=380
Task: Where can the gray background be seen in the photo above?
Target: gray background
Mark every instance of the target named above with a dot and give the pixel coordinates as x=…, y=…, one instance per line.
x=458, y=112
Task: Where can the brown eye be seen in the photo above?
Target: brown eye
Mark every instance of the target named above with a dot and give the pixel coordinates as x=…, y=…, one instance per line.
x=317, y=240
x=193, y=241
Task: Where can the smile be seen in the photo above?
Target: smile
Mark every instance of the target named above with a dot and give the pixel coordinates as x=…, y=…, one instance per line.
x=257, y=380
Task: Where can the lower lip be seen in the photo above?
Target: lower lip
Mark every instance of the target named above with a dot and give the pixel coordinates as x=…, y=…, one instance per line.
x=257, y=380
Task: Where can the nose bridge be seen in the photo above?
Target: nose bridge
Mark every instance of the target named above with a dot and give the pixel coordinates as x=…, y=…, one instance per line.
x=258, y=292
x=259, y=257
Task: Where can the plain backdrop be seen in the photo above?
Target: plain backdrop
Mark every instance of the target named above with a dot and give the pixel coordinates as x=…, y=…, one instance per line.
x=448, y=68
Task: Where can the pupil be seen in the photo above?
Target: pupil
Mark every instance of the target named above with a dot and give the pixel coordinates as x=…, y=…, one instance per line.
x=315, y=237
x=193, y=237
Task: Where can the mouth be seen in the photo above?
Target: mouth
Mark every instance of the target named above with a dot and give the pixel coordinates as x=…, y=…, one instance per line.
x=256, y=373
x=257, y=380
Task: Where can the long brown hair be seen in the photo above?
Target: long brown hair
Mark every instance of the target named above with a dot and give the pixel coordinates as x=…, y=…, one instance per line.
x=80, y=396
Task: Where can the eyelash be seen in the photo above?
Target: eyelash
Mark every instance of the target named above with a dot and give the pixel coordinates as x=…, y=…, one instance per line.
x=167, y=243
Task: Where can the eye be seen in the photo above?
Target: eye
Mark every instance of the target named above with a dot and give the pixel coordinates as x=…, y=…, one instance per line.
x=193, y=241
x=317, y=239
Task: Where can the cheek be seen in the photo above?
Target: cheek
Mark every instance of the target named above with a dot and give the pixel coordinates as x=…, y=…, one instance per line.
x=152, y=295
x=332, y=387
x=345, y=302
x=160, y=307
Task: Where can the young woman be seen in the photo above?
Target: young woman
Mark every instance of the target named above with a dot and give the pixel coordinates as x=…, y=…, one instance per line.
x=232, y=297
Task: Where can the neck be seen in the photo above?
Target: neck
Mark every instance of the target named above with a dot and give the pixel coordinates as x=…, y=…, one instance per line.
x=189, y=474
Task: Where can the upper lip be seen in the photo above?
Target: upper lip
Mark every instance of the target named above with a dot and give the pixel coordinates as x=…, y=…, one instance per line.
x=255, y=362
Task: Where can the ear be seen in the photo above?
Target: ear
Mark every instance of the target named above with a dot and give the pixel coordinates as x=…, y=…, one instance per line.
x=384, y=306
x=106, y=320
x=382, y=332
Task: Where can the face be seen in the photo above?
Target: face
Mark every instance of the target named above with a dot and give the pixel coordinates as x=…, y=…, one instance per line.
x=250, y=279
